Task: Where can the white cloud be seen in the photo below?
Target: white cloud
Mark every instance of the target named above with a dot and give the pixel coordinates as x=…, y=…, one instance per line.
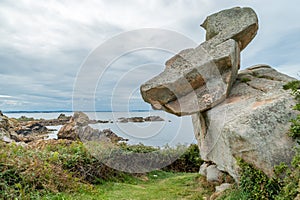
x=44, y=42
x=5, y=96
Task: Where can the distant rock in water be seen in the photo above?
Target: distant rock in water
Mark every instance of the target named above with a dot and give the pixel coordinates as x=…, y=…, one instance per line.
x=140, y=119
x=243, y=114
x=78, y=129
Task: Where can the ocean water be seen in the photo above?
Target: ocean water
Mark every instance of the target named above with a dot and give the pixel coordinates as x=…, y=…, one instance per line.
x=173, y=131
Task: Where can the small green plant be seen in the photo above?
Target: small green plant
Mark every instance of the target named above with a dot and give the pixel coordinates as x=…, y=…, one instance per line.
x=291, y=177
x=245, y=80
x=294, y=86
x=256, y=184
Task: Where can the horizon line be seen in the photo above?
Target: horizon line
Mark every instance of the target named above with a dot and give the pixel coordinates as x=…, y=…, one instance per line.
x=67, y=111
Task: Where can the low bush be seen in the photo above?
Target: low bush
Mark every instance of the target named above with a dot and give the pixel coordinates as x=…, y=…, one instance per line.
x=25, y=173
x=256, y=184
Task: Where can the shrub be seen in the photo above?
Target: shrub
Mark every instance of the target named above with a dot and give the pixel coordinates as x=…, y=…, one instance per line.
x=189, y=161
x=26, y=172
x=294, y=86
x=256, y=184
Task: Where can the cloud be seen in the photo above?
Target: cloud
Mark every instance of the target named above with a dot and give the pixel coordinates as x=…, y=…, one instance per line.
x=43, y=44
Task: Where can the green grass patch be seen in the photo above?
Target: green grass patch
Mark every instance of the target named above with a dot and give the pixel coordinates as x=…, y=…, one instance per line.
x=155, y=185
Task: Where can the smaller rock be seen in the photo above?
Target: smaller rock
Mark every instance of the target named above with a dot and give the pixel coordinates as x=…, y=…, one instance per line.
x=140, y=119
x=68, y=131
x=63, y=117
x=81, y=119
x=153, y=119
x=136, y=119
x=203, y=169
x=78, y=128
x=213, y=174
x=131, y=119
x=7, y=139
x=223, y=187
x=93, y=121
x=103, y=121
x=219, y=190
x=31, y=128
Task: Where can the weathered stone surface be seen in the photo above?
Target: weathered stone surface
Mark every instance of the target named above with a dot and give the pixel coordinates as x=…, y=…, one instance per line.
x=213, y=174
x=198, y=79
x=252, y=123
x=81, y=119
x=68, y=131
x=31, y=128
x=240, y=24
x=194, y=80
x=203, y=169
x=5, y=126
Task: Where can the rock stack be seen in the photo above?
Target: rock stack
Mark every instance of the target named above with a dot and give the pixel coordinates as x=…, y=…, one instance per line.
x=236, y=114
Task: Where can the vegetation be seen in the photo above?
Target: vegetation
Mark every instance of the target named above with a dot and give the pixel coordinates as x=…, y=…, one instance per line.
x=66, y=170
x=294, y=86
x=245, y=79
x=155, y=185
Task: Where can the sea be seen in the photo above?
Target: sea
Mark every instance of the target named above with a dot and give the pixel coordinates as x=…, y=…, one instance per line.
x=171, y=132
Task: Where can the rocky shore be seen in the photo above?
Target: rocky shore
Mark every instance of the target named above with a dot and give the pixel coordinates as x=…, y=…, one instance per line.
x=25, y=130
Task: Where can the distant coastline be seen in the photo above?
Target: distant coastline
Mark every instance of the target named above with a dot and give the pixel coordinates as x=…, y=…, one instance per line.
x=68, y=111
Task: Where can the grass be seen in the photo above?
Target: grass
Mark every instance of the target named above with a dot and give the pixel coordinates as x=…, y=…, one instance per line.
x=66, y=170
x=155, y=185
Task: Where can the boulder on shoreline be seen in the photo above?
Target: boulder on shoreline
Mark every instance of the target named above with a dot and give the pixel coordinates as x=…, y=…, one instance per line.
x=78, y=129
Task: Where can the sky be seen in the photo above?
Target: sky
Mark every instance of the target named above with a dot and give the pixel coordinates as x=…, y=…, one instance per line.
x=45, y=43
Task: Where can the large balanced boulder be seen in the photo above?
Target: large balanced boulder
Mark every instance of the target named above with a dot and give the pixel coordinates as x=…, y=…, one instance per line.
x=197, y=79
x=236, y=115
x=251, y=124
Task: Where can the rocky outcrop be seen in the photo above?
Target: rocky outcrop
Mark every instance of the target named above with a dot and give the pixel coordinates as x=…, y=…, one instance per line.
x=78, y=129
x=11, y=130
x=235, y=114
x=197, y=79
x=61, y=120
x=252, y=123
x=29, y=131
x=31, y=128
x=6, y=126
